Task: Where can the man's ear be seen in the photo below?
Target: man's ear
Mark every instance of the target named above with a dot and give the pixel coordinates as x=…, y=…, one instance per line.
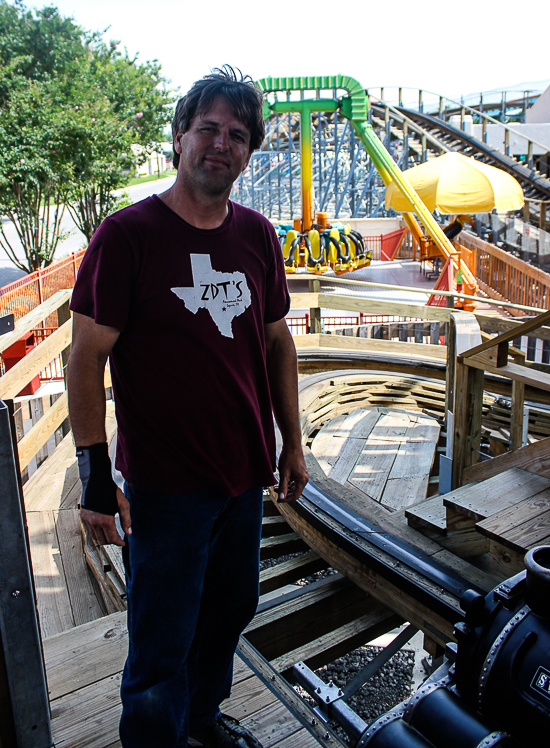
x=247, y=162
x=177, y=141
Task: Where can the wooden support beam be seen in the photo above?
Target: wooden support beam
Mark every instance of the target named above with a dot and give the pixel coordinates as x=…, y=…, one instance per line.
x=523, y=329
x=382, y=306
x=33, y=318
x=281, y=545
x=290, y=571
x=313, y=612
x=346, y=342
x=535, y=458
x=518, y=400
x=530, y=376
x=21, y=374
x=35, y=439
x=52, y=419
x=468, y=403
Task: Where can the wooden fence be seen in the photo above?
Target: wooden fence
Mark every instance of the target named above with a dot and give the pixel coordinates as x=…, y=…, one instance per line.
x=507, y=278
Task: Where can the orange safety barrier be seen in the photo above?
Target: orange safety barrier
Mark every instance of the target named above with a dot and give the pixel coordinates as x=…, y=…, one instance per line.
x=390, y=244
x=25, y=294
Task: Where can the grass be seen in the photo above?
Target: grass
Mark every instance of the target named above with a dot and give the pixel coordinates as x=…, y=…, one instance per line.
x=151, y=178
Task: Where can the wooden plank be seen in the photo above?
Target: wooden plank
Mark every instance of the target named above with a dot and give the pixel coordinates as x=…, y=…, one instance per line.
x=300, y=739
x=360, y=422
x=21, y=374
x=347, y=457
x=344, y=342
x=111, y=599
x=428, y=515
x=274, y=526
x=467, y=409
x=53, y=603
x=504, y=324
x=248, y=697
x=84, y=603
x=281, y=545
x=383, y=306
x=409, y=608
x=500, y=523
x=496, y=494
x=534, y=458
x=272, y=724
x=371, y=470
x=462, y=538
x=300, y=617
x=88, y=718
x=46, y=487
x=86, y=654
x=290, y=571
x=527, y=534
x=42, y=430
x=304, y=300
x=531, y=377
x=377, y=621
x=34, y=317
x=504, y=561
x=406, y=491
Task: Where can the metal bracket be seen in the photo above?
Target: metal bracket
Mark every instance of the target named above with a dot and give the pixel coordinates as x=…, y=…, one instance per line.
x=7, y=323
x=329, y=699
x=300, y=709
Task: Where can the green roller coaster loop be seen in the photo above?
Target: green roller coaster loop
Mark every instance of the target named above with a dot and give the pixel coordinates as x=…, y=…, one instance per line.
x=354, y=107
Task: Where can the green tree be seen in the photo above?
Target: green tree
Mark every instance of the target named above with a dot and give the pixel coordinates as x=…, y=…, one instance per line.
x=123, y=103
x=35, y=175
x=71, y=107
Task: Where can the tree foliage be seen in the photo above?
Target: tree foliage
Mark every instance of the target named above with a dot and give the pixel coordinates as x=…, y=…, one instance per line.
x=71, y=107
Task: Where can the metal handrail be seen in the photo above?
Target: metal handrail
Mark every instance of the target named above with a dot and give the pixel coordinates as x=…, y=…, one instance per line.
x=464, y=107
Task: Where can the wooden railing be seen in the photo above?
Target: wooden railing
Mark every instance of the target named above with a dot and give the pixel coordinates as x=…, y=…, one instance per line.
x=25, y=294
x=497, y=357
x=429, y=326
x=58, y=344
x=506, y=278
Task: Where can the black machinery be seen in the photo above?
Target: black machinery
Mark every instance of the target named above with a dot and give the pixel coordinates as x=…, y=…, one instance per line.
x=493, y=688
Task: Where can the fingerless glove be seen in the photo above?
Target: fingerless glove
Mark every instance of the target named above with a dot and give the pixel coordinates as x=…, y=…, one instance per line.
x=98, y=486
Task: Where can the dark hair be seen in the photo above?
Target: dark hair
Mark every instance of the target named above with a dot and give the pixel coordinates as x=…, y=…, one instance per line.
x=241, y=93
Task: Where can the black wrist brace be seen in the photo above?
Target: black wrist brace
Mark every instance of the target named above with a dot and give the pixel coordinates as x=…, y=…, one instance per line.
x=98, y=486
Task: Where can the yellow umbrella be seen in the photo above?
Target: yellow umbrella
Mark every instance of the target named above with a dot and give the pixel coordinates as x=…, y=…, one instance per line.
x=454, y=183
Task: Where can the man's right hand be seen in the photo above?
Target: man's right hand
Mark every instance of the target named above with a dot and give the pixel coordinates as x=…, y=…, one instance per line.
x=102, y=527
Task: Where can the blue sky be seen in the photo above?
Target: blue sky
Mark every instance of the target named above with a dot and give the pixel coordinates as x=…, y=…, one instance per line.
x=451, y=49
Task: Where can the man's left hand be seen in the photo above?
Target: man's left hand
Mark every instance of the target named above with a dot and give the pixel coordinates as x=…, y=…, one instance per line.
x=293, y=475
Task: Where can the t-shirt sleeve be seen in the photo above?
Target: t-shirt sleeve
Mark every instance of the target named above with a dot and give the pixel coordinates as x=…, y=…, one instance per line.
x=103, y=288
x=277, y=297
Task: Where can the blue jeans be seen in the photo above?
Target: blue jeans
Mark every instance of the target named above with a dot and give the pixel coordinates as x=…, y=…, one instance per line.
x=193, y=581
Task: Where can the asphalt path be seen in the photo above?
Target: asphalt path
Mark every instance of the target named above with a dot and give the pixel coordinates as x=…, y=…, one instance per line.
x=75, y=239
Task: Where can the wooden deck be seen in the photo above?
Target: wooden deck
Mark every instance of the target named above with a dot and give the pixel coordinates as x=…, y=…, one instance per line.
x=385, y=453
x=66, y=595
x=495, y=521
x=84, y=670
x=85, y=649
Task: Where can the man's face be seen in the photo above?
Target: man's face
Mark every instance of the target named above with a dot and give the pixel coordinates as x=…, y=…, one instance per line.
x=214, y=150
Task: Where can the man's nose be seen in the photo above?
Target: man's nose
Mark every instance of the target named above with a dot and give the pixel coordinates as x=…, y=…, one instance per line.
x=221, y=141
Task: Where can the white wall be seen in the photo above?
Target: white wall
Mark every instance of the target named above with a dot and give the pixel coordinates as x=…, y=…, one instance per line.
x=518, y=145
x=540, y=111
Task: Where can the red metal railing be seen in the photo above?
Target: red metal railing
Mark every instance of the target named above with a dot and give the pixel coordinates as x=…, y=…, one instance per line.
x=54, y=370
x=300, y=325
x=23, y=295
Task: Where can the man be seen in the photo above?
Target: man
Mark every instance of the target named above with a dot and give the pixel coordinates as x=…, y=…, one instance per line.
x=186, y=294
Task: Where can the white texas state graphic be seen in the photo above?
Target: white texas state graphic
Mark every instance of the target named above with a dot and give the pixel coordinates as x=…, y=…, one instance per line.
x=224, y=295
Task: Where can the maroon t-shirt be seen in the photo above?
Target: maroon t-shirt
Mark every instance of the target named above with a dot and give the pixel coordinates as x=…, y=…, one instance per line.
x=188, y=369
